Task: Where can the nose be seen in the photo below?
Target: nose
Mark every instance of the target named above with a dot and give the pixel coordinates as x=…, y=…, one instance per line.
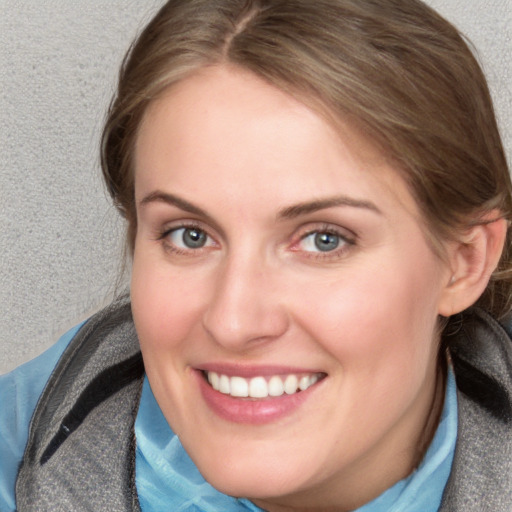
x=245, y=307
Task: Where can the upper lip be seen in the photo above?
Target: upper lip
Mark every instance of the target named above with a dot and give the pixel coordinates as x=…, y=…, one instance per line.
x=249, y=371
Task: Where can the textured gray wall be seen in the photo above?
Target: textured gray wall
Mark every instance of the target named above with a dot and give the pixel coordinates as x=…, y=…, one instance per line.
x=60, y=239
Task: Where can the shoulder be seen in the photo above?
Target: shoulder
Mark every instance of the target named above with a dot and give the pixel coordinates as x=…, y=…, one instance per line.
x=19, y=393
x=481, y=351
x=83, y=424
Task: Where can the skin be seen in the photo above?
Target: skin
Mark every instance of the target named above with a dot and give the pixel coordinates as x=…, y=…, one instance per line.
x=259, y=292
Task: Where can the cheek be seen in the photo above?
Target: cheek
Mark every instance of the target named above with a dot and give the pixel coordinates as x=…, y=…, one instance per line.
x=165, y=306
x=377, y=315
x=165, y=311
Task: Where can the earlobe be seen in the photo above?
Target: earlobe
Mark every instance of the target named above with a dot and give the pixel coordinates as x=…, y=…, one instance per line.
x=473, y=258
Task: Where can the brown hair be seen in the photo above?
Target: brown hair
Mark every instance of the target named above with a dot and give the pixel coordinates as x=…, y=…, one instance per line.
x=395, y=67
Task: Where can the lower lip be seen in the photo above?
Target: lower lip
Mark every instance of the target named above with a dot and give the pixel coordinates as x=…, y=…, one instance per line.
x=250, y=410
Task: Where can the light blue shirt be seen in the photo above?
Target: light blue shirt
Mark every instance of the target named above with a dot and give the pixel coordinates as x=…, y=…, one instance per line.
x=167, y=479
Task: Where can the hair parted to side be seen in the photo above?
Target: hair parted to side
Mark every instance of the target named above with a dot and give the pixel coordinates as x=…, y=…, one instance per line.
x=395, y=68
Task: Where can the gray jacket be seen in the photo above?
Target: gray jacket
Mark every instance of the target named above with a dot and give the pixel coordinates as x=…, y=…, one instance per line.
x=80, y=454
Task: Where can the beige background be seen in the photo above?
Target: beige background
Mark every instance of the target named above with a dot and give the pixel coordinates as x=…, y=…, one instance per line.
x=60, y=240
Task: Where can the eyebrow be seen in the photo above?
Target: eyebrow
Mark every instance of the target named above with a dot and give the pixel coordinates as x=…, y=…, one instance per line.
x=182, y=204
x=289, y=212
x=305, y=208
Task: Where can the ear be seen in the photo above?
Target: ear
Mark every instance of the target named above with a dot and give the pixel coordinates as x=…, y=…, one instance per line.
x=472, y=260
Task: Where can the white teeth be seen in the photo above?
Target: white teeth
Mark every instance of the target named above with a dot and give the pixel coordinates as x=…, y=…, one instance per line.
x=213, y=379
x=275, y=386
x=239, y=387
x=224, y=386
x=259, y=387
x=304, y=383
x=291, y=384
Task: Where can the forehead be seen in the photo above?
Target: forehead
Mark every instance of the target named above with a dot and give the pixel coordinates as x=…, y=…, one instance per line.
x=225, y=126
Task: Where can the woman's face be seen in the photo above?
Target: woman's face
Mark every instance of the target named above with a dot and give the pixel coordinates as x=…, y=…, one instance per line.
x=282, y=259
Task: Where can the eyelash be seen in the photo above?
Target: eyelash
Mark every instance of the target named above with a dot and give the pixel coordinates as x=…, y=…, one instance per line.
x=345, y=241
x=169, y=247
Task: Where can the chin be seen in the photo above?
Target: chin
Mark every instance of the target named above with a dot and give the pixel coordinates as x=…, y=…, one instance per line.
x=254, y=475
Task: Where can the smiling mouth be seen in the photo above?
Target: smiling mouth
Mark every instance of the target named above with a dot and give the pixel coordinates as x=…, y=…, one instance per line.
x=262, y=387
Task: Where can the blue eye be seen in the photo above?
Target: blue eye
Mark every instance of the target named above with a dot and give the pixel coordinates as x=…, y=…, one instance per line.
x=322, y=241
x=189, y=238
x=326, y=241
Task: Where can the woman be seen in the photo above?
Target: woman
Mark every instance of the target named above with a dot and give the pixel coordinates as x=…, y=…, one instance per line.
x=316, y=196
